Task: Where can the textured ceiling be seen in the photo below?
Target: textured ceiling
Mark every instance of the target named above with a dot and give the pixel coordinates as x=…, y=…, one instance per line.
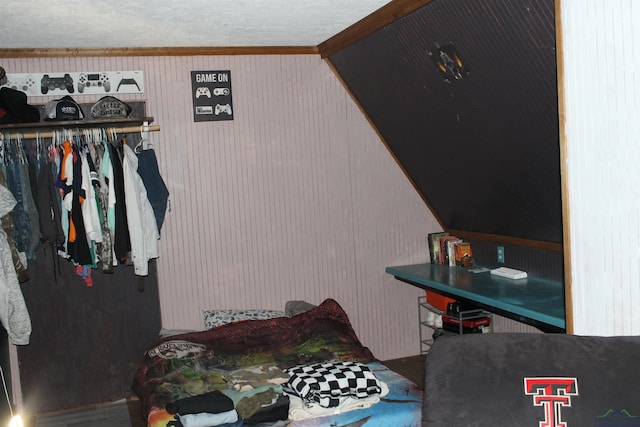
x=171, y=23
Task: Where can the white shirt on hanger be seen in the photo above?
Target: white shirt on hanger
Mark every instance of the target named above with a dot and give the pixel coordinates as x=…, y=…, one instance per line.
x=143, y=230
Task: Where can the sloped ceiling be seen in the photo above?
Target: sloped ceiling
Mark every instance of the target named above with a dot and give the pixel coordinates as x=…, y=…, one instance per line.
x=483, y=151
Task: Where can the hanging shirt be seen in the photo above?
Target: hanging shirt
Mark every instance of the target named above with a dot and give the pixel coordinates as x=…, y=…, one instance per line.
x=90, y=213
x=78, y=248
x=121, y=242
x=106, y=170
x=49, y=208
x=143, y=230
x=156, y=188
x=13, y=309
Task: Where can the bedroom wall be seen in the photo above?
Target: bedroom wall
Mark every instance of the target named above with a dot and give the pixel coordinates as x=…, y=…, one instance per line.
x=296, y=198
x=601, y=49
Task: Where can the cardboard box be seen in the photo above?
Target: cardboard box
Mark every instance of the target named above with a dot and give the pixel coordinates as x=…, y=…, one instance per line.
x=438, y=301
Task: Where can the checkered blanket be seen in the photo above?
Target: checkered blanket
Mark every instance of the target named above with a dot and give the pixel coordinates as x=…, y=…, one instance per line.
x=327, y=383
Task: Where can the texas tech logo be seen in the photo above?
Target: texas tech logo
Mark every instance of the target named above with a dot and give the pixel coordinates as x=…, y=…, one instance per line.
x=552, y=393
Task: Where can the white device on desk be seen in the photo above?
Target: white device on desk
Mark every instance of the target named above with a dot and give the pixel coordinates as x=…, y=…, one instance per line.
x=509, y=273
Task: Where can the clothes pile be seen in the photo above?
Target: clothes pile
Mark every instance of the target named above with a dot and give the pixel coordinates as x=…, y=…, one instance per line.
x=267, y=394
x=331, y=388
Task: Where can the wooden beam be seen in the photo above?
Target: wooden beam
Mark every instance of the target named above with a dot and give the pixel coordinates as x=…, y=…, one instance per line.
x=387, y=14
x=155, y=51
x=564, y=172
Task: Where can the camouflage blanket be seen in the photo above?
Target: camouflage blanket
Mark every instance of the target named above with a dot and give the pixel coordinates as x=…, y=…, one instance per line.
x=199, y=362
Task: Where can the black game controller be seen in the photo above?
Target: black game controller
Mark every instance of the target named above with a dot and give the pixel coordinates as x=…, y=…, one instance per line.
x=126, y=81
x=49, y=83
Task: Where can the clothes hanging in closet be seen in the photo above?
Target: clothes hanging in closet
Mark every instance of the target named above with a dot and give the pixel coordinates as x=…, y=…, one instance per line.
x=73, y=196
x=78, y=197
x=16, y=172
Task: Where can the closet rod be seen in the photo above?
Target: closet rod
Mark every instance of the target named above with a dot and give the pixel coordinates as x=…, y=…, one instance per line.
x=50, y=133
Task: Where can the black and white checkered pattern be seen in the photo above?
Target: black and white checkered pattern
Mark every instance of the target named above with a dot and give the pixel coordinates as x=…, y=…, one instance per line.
x=327, y=383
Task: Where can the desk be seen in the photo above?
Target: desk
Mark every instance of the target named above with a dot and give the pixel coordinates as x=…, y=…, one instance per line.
x=534, y=301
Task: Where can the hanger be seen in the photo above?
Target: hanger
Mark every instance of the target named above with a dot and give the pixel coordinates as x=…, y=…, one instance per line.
x=144, y=143
x=22, y=156
x=113, y=136
x=38, y=148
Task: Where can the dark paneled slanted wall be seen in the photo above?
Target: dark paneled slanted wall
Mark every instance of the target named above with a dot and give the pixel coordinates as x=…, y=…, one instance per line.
x=483, y=150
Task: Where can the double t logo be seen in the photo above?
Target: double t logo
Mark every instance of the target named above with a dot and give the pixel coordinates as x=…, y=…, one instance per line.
x=552, y=394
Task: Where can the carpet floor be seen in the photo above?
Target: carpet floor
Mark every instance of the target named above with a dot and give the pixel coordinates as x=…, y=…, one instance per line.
x=124, y=413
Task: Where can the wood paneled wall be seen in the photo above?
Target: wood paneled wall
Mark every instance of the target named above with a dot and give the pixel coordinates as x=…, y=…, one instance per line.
x=296, y=198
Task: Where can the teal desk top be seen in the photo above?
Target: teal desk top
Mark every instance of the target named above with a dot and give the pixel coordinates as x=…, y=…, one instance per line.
x=535, y=301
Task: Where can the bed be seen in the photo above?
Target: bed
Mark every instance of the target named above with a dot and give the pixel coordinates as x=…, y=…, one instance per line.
x=309, y=369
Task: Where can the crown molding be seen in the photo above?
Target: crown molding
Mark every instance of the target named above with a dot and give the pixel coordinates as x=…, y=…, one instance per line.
x=156, y=51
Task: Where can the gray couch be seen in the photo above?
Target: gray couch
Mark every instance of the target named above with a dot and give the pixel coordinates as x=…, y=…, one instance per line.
x=536, y=380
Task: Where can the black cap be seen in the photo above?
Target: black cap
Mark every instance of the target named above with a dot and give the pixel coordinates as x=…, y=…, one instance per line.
x=64, y=108
x=15, y=109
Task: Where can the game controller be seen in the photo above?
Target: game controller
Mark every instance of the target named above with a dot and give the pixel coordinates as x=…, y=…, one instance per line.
x=93, y=80
x=49, y=83
x=128, y=81
x=203, y=91
x=23, y=84
x=221, y=91
x=220, y=108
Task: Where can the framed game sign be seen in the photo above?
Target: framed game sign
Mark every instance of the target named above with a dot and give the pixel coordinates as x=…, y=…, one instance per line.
x=211, y=92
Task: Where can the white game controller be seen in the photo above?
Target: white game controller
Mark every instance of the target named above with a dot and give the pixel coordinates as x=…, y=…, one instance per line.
x=220, y=108
x=93, y=80
x=23, y=83
x=203, y=91
x=221, y=91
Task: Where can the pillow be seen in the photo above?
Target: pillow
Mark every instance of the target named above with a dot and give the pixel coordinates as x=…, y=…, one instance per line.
x=214, y=318
x=291, y=308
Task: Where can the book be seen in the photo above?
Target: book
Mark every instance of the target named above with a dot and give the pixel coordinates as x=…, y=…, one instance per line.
x=463, y=254
x=434, y=246
x=451, y=251
x=444, y=248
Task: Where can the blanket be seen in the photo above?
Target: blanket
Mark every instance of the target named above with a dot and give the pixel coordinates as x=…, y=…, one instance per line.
x=195, y=363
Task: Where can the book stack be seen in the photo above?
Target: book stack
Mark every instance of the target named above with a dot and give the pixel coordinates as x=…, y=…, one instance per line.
x=449, y=250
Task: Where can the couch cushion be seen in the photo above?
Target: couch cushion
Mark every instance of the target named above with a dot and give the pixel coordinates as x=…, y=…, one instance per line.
x=494, y=379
